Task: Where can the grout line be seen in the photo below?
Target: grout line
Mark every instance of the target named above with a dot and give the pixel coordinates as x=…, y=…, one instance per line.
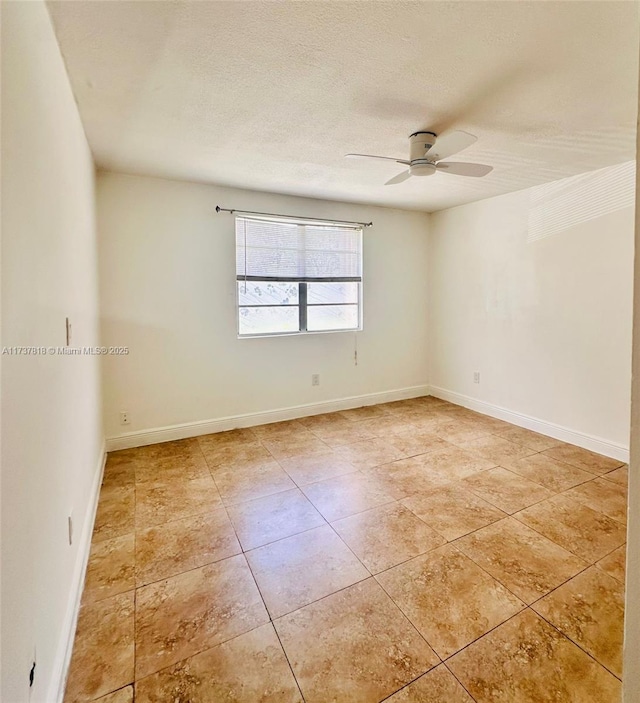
x=286, y=656
x=503, y=584
x=458, y=680
x=577, y=644
x=200, y=651
x=537, y=530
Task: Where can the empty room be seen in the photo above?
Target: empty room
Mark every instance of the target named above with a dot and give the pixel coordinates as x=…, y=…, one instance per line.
x=320, y=352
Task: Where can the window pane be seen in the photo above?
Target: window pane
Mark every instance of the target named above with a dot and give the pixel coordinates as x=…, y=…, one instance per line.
x=332, y=293
x=332, y=317
x=267, y=293
x=269, y=320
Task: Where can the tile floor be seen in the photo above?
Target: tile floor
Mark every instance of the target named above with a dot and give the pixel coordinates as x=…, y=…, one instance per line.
x=411, y=551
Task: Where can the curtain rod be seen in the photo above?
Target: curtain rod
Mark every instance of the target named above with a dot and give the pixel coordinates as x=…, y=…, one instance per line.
x=292, y=217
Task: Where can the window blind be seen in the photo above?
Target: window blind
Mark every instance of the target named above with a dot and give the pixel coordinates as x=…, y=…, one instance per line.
x=282, y=250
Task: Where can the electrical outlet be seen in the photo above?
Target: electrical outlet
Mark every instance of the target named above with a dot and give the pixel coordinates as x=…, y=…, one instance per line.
x=70, y=527
x=124, y=417
x=315, y=379
x=476, y=376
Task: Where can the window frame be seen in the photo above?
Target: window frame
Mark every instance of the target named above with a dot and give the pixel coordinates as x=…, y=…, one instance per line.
x=302, y=304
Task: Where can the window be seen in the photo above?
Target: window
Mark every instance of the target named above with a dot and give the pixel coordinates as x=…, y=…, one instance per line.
x=295, y=277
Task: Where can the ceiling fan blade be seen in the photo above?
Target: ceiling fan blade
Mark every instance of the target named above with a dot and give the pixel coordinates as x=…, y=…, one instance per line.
x=449, y=144
x=461, y=168
x=371, y=156
x=399, y=178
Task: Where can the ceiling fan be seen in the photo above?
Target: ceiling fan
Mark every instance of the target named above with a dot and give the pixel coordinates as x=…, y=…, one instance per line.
x=426, y=153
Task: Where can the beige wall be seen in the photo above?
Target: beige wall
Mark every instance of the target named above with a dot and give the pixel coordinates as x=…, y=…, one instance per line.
x=167, y=263
x=540, y=305
x=51, y=418
x=631, y=678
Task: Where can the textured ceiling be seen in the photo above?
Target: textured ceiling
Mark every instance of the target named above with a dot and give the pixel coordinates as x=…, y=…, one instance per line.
x=271, y=95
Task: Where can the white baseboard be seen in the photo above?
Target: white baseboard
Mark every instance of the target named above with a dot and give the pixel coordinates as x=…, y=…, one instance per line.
x=580, y=439
x=194, y=429
x=67, y=635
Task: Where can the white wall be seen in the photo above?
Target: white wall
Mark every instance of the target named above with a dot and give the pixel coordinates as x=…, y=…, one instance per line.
x=167, y=264
x=539, y=303
x=51, y=418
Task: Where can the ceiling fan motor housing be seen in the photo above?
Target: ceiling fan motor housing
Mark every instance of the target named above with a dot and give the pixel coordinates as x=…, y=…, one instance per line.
x=420, y=143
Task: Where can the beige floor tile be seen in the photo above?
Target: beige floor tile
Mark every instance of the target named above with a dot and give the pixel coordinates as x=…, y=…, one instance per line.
x=385, y=425
x=402, y=479
x=397, y=406
x=620, y=475
x=301, y=443
x=163, y=450
x=506, y=489
x=120, y=457
x=287, y=428
x=122, y=695
x=230, y=438
x=317, y=467
x=158, y=502
x=430, y=422
x=386, y=536
x=237, y=484
x=415, y=416
x=116, y=513
x=196, y=610
x=456, y=431
x=486, y=422
x=303, y=568
x=604, y=496
x=527, y=438
x=583, y=459
x=405, y=477
x=348, y=433
x=367, y=412
x=370, y=453
x=452, y=511
x=524, y=561
x=110, y=569
x=268, y=519
x=172, y=469
x=526, y=660
x=245, y=454
x=449, y=599
x=324, y=420
x=436, y=686
x=354, y=646
x=589, y=610
x=180, y=545
x=346, y=495
x=121, y=474
x=247, y=669
x=554, y=475
x=615, y=563
x=574, y=526
x=496, y=449
x=453, y=463
x=416, y=441
x=103, y=650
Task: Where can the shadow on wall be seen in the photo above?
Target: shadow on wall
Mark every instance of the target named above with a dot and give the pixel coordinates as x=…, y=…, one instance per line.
x=557, y=206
